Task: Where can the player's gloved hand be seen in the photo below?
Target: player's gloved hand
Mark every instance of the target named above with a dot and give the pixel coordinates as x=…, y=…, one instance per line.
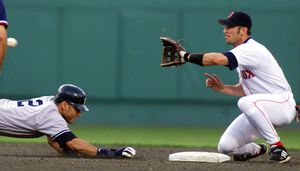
x=125, y=152
x=171, y=52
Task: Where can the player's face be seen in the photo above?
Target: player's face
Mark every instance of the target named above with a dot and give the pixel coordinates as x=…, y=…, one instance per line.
x=70, y=113
x=233, y=35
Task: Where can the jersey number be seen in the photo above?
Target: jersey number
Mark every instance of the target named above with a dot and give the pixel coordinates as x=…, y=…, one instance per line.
x=37, y=102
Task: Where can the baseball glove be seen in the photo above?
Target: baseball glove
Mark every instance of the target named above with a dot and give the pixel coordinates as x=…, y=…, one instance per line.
x=171, y=52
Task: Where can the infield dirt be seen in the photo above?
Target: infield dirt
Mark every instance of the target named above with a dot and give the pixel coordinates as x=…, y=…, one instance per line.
x=26, y=156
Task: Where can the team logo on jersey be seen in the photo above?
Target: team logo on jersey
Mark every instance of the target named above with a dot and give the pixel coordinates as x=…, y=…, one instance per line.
x=247, y=74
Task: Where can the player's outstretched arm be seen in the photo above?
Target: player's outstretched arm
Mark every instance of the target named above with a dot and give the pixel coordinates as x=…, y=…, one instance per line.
x=75, y=146
x=210, y=59
x=205, y=59
x=83, y=148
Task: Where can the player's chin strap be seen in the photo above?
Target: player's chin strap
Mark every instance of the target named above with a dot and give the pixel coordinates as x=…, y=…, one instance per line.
x=298, y=113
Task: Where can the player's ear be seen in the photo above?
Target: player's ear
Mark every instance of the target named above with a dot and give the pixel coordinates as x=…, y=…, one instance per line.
x=63, y=105
x=244, y=30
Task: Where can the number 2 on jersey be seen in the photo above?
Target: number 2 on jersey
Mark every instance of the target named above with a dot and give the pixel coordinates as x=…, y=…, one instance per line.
x=33, y=103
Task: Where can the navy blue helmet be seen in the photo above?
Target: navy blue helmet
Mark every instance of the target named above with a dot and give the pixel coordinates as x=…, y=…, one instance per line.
x=73, y=95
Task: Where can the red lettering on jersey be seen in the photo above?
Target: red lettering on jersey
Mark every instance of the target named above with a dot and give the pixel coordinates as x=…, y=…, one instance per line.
x=247, y=74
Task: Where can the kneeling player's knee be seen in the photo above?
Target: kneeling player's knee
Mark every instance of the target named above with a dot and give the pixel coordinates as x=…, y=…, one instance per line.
x=225, y=148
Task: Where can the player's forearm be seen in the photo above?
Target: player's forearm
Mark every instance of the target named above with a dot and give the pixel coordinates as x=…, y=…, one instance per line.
x=205, y=59
x=233, y=90
x=82, y=147
x=54, y=145
x=210, y=59
x=75, y=146
x=3, y=39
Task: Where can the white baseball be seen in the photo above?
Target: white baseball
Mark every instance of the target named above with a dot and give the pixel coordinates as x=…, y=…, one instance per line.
x=12, y=42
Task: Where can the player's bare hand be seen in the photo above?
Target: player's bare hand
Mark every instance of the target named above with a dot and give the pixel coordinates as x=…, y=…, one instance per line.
x=214, y=82
x=298, y=113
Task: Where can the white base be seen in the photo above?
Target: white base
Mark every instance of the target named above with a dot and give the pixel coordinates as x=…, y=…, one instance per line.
x=193, y=156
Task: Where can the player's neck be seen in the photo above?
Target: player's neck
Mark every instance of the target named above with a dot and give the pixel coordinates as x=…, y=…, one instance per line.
x=243, y=40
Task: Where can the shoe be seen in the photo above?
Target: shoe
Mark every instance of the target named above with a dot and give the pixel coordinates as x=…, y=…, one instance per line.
x=279, y=154
x=247, y=156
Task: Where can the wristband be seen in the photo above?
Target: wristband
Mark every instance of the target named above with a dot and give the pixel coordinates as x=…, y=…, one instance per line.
x=105, y=153
x=186, y=57
x=196, y=58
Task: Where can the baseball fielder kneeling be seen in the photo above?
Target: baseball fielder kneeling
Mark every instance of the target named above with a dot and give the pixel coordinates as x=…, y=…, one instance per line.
x=266, y=98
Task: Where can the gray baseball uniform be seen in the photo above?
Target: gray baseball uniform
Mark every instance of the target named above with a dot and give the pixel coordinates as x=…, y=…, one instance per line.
x=33, y=118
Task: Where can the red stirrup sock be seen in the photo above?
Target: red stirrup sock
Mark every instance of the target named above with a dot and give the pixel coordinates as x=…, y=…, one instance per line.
x=279, y=143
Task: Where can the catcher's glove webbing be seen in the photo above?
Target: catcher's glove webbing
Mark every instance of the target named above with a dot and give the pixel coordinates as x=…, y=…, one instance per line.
x=171, y=52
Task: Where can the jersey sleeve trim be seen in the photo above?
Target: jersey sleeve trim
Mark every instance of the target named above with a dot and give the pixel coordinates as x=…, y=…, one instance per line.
x=4, y=23
x=232, y=61
x=60, y=133
x=63, y=137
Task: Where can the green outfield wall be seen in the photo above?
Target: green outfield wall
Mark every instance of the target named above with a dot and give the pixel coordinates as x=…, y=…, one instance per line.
x=111, y=49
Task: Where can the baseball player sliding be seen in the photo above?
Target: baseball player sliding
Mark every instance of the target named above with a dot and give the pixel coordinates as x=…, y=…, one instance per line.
x=50, y=115
x=266, y=99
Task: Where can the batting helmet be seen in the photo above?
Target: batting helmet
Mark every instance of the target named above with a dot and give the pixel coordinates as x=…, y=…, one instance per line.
x=73, y=95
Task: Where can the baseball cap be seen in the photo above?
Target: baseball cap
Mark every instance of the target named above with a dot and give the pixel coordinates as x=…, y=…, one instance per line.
x=237, y=18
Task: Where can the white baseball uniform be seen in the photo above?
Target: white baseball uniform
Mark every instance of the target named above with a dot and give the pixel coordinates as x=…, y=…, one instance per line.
x=269, y=101
x=33, y=118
